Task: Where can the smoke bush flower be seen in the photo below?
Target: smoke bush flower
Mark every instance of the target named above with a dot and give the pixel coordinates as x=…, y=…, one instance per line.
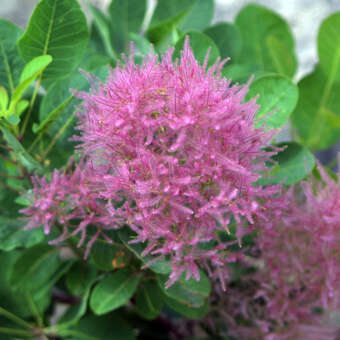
x=177, y=143
x=297, y=285
x=64, y=200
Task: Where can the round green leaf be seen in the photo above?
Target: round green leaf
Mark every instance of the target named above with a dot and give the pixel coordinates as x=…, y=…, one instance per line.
x=293, y=164
x=267, y=40
x=10, y=299
x=200, y=43
x=169, y=9
x=161, y=266
x=149, y=300
x=277, y=94
x=114, y=291
x=242, y=72
x=109, y=256
x=160, y=35
x=228, y=39
x=35, y=267
x=329, y=46
x=13, y=235
x=79, y=277
x=189, y=292
x=57, y=28
x=317, y=114
x=187, y=310
x=79, y=281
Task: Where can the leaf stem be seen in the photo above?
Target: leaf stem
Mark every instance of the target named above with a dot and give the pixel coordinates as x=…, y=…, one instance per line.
x=55, y=138
x=28, y=115
x=15, y=318
x=14, y=331
x=36, y=140
x=34, y=310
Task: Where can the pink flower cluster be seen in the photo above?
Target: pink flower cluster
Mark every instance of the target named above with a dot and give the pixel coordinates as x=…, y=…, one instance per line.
x=296, y=287
x=69, y=201
x=177, y=142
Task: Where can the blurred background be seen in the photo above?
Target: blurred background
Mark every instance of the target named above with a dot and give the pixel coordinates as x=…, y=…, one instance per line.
x=304, y=17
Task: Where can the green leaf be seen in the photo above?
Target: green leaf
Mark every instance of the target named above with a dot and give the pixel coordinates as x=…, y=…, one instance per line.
x=293, y=164
x=13, y=119
x=9, y=207
x=102, y=28
x=329, y=46
x=57, y=28
x=79, y=277
x=11, y=63
x=277, y=99
x=185, y=309
x=149, y=300
x=10, y=300
x=93, y=60
x=160, y=266
x=317, y=114
x=242, y=72
x=160, y=34
x=19, y=302
x=166, y=10
x=142, y=47
x=51, y=117
x=31, y=71
x=21, y=106
x=96, y=42
x=191, y=293
x=125, y=16
x=109, y=256
x=24, y=157
x=3, y=100
x=34, y=268
x=200, y=43
x=198, y=13
x=114, y=291
x=227, y=38
x=93, y=327
x=80, y=281
x=58, y=105
x=13, y=235
x=267, y=40
x=34, y=67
